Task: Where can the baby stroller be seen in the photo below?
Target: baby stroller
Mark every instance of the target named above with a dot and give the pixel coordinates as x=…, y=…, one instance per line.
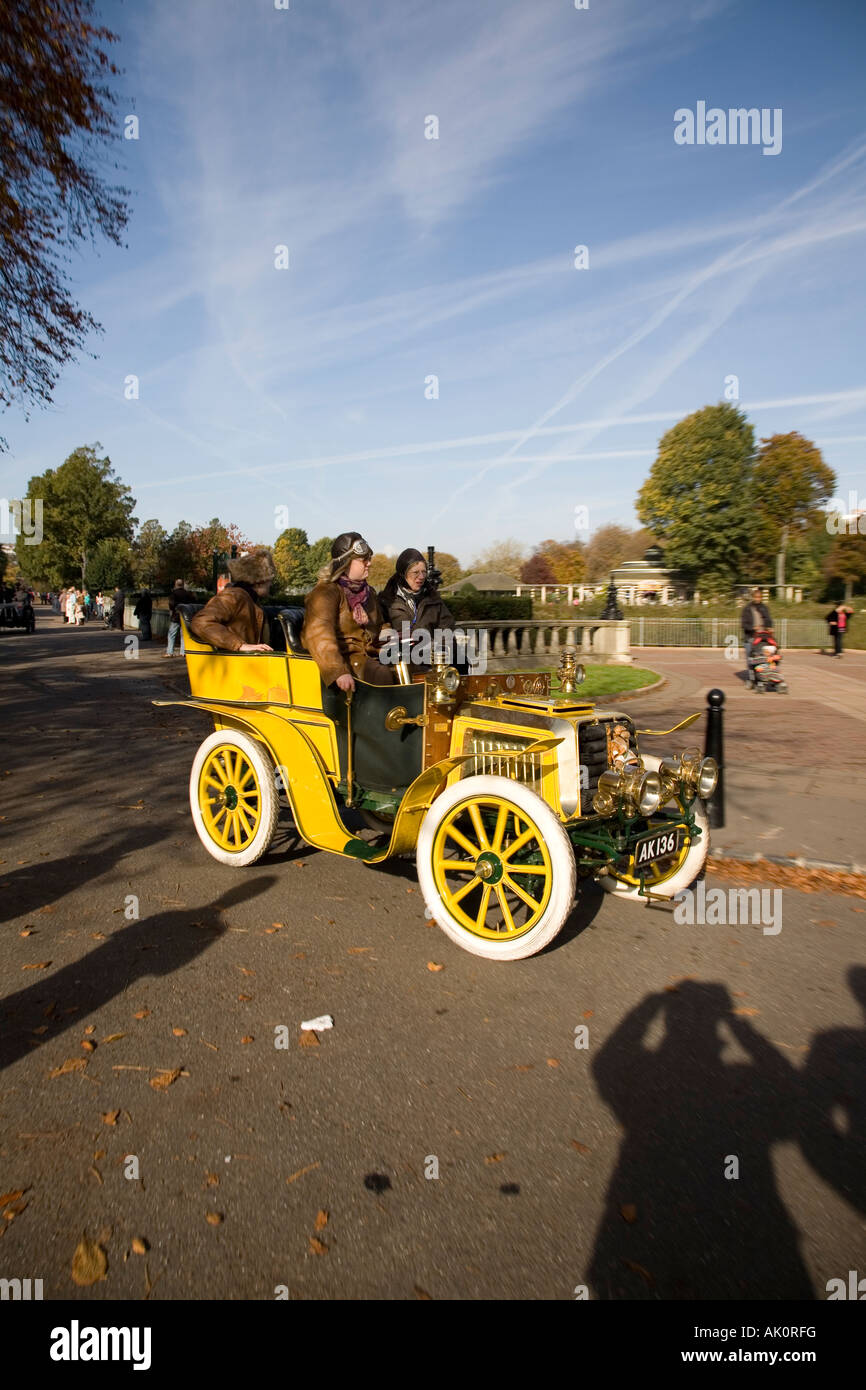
x=763, y=658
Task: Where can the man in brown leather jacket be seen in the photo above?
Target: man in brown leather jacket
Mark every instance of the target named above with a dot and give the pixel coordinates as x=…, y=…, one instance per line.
x=234, y=620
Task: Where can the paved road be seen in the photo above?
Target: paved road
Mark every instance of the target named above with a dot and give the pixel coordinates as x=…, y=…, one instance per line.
x=558, y=1166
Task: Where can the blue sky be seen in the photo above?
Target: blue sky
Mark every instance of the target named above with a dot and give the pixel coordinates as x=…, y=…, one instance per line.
x=264, y=389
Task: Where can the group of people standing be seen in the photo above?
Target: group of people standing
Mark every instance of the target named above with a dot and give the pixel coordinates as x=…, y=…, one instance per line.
x=77, y=606
x=346, y=622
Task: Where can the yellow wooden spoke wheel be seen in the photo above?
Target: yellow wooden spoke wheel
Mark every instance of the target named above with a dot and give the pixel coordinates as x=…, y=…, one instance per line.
x=232, y=793
x=496, y=868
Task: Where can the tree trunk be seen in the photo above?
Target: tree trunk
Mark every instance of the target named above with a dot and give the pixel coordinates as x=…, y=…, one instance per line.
x=849, y=590
x=780, y=564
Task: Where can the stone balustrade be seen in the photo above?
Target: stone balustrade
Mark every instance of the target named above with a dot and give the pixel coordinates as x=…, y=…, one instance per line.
x=531, y=643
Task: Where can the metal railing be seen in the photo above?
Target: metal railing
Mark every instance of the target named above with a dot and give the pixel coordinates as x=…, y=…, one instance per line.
x=721, y=632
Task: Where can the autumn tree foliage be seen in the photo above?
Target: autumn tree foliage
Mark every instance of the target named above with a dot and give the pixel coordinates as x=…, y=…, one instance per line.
x=57, y=120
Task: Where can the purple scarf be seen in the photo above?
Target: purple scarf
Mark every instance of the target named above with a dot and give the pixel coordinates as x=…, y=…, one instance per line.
x=357, y=595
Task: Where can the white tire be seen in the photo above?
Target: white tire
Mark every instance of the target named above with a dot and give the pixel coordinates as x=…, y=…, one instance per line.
x=685, y=874
x=555, y=882
x=233, y=798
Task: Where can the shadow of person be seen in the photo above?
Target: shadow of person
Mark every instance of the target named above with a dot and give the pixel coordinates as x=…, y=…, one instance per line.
x=153, y=946
x=674, y=1225
x=834, y=1119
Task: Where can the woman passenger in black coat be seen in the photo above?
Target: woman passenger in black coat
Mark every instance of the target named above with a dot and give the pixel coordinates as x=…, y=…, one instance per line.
x=408, y=599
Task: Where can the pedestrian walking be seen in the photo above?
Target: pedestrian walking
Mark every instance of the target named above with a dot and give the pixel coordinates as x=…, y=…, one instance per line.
x=100, y=604
x=70, y=606
x=117, y=609
x=88, y=602
x=79, y=607
x=837, y=621
x=143, y=611
x=756, y=617
x=179, y=594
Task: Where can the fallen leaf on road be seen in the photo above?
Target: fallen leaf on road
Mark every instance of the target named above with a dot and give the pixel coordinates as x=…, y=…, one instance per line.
x=301, y=1171
x=100, y=1153
x=165, y=1079
x=244, y=970
x=308, y=1038
x=244, y=998
x=553, y=1061
x=528, y=1066
x=28, y=931
x=139, y=1246
x=71, y=1064
x=743, y=1012
x=318, y=1247
x=211, y=1180
x=422, y=1293
x=628, y=1212
x=179, y=1032
x=581, y=1148
x=588, y=1013
x=321, y=1220
x=113, y=1037
x=88, y=1044
x=110, y=1117
x=96, y=1173
x=89, y=1263
x=91, y=1028
x=142, y=1013
x=248, y=1039
x=431, y=965
x=39, y=965
x=11, y=1197
x=214, y=1218
x=358, y=950
x=494, y=1158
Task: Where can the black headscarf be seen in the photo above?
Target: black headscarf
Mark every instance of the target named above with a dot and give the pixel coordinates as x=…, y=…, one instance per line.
x=398, y=584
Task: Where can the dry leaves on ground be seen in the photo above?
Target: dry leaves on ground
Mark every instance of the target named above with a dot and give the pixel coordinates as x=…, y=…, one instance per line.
x=39, y=965
x=214, y=1218
x=142, y=1013
x=321, y=1220
x=111, y=1117
x=301, y=1171
x=71, y=1064
x=113, y=1037
x=139, y=1246
x=89, y=1263
x=628, y=1212
x=308, y=1038
x=179, y=1032
x=431, y=965
x=165, y=1079
x=581, y=1148
x=494, y=1158
x=318, y=1247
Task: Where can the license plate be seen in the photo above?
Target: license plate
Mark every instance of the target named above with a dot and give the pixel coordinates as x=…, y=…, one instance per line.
x=662, y=845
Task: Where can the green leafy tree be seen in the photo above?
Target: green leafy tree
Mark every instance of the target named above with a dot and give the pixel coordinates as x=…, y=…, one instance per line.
x=698, y=497
x=203, y=541
x=566, y=559
x=319, y=556
x=57, y=123
x=846, y=561
x=149, y=555
x=112, y=566
x=790, y=482
x=291, y=561
x=178, y=558
x=83, y=502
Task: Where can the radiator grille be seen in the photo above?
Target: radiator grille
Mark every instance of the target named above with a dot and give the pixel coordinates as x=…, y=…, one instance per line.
x=488, y=759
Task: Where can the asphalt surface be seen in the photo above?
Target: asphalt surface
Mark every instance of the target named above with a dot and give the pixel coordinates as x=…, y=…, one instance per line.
x=304, y=1167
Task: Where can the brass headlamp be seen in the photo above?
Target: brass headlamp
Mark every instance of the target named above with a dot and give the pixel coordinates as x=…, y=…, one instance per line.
x=633, y=789
x=445, y=680
x=688, y=774
x=571, y=675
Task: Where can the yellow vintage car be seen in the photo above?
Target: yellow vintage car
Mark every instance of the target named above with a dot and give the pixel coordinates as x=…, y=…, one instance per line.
x=507, y=794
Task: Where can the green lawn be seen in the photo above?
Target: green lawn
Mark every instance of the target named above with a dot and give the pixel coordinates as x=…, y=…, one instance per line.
x=606, y=681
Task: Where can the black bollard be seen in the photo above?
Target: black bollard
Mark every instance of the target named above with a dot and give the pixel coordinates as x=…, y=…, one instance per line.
x=714, y=748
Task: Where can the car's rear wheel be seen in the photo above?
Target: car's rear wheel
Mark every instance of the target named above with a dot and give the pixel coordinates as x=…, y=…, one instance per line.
x=233, y=798
x=668, y=876
x=496, y=868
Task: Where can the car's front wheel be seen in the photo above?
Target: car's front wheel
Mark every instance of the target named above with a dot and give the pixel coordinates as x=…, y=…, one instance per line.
x=496, y=868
